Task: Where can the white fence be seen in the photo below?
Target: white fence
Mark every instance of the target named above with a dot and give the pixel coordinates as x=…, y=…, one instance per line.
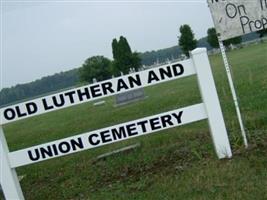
x=210, y=109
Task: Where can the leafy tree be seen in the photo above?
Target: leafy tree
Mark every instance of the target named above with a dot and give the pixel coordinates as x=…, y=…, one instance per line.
x=123, y=57
x=115, y=49
x=187, y=40
x=212, y=38
x=262, y=33
x=235, y=40
x=95, y=67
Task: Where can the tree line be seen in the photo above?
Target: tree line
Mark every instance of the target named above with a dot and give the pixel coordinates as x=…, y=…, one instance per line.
x=188, y=42
x=44, y=85
x=124, y=60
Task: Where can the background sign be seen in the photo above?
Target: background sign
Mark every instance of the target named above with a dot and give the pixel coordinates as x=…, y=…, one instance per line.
x=238, y=17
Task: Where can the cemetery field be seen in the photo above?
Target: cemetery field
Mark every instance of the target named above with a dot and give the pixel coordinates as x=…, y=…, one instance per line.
x=178, y=163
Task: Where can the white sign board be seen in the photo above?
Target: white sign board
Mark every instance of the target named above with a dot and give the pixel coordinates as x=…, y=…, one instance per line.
x=234, y=18
x=107, y=135
x=210, y=109
x=96, y=91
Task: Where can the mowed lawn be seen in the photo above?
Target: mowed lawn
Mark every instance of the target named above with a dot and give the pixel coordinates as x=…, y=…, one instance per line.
x=178, y=163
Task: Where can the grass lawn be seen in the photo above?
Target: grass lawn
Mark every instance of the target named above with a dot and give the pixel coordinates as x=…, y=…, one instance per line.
x=178, y=163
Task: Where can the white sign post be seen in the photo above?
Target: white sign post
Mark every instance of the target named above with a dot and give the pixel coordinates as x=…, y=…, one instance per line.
x=9, y=179
x=210, y=109
x=211, y=100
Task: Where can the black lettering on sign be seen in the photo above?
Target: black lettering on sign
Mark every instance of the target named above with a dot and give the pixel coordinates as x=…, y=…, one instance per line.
x=231, y=10
x=12, y=113
x=19, y=112
x=264, y=22
x=263, y=4
x=166, y=120
x=105, y=136
x=70, y=95
x=155, y=124
x=64, y=147
x=134, y=129
x=107, y=88
x=46, y=106
x=131, y=130
x=178, y=117
x=152, y=77
x=82, y=94
x=121, y=85
x=258, y=24
x=240, y=8
x=46, y=152
x=134, y=81
x=118, y=134
x=58, y=101
x=251, y=25
x=9, y=113
x=143, y=125
x=244, y=21
x=93, y=142
x=165, y=73
x=168, y=72
x=76, y=144
x=54, y=149
x=34, y=157
x=175, y=68
x=95, y=91
x=31, y=108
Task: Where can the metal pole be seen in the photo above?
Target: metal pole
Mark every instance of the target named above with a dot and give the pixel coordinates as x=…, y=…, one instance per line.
x=230, y=80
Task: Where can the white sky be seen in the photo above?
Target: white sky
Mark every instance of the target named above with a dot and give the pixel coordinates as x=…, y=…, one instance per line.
x=40, y=38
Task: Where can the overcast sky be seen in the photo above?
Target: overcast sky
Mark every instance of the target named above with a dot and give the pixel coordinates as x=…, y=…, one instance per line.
x=43, y=38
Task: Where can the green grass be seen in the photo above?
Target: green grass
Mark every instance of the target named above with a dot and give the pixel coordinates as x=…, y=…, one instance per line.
x=178, y=163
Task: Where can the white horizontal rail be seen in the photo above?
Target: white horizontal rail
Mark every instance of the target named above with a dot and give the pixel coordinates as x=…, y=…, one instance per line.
x=96, y=91
x=108, y=135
